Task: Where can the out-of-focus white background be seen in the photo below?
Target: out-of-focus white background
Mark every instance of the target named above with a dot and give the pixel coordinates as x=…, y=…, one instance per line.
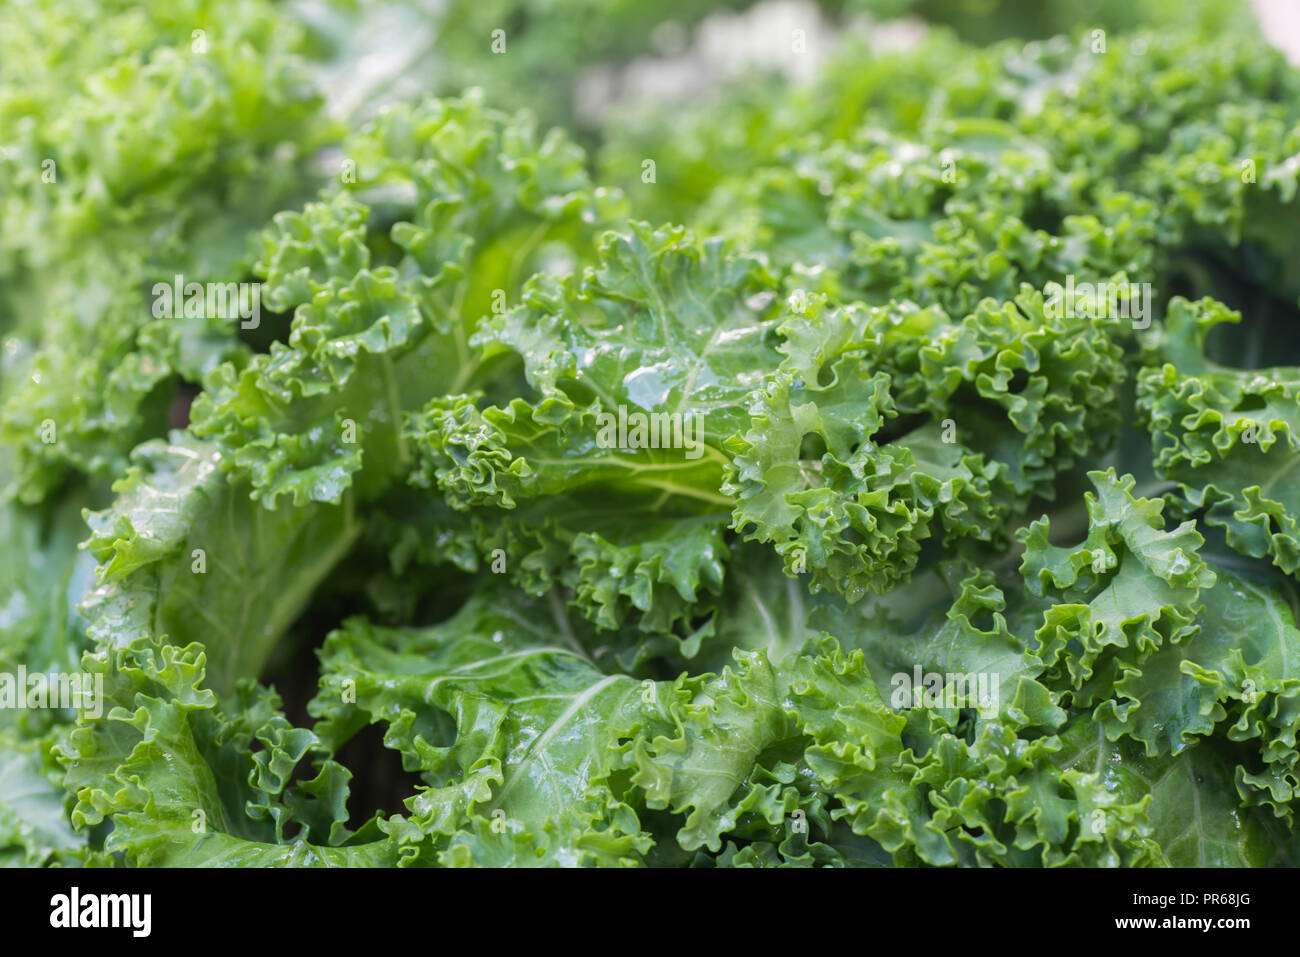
x=394, y=38
x=1281, y=22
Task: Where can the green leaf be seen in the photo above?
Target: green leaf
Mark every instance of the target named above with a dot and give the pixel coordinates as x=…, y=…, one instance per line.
x=187, y=555
x=511, y=731
x=1229, y=437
